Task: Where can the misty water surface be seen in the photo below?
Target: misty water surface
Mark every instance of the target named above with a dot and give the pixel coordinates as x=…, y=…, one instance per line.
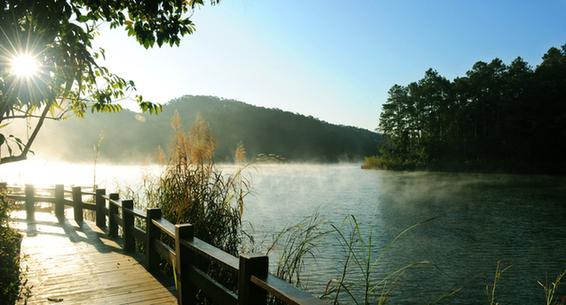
x=482, y=219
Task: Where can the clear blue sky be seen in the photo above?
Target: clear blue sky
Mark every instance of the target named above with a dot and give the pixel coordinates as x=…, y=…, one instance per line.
x=334, y=60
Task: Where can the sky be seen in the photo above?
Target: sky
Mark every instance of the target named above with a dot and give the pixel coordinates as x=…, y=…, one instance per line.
x=333, y=60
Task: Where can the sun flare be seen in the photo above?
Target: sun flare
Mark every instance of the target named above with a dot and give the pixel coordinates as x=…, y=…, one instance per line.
x=25, y=66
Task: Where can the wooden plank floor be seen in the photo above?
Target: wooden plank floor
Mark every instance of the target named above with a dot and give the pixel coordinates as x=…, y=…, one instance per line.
x=71, y=264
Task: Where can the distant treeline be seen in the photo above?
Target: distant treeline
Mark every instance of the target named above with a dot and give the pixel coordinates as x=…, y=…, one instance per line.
x=498, y=118
x=133, y=138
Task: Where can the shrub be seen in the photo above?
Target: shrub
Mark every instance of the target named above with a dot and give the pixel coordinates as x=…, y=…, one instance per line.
x=10, y=241
x=192, y=189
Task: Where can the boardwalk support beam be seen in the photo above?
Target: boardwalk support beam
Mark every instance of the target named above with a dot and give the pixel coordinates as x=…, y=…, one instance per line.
x=152, y=231
x=128, y=216
x=100, y=205
x=248, y=292
x=78, y=204
x=30, y=203
x=113, y=210
x=186, y=291
x=60, y=202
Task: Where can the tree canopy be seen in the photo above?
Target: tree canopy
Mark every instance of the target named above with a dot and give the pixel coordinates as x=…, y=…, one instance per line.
x=498, y=117
x=55, y=38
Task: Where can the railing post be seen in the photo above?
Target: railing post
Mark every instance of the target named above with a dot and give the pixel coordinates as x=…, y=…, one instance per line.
x=248, y=292
x=78, y=204
x=112, y=210
x=30, y=204
x=100, y=205
x=152, y=232
x=128, y=216
x=186, y=291
x=60, y=201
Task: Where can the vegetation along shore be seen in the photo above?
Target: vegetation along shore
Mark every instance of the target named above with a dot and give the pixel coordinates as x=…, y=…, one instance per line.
x=500, y=117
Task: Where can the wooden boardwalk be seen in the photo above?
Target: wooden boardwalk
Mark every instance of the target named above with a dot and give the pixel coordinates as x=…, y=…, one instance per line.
x=71, y=264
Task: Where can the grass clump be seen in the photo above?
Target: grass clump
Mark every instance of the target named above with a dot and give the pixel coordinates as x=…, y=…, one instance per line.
x=490, y=289
x=550, y=291
x=296, y=243
x=192, y=189
x=357, y=281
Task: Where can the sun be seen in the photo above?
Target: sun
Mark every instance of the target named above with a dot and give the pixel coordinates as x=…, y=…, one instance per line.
x=25, y=65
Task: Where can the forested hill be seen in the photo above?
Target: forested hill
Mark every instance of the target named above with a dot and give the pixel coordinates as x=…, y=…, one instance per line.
x=133, y=138
x=498, y=118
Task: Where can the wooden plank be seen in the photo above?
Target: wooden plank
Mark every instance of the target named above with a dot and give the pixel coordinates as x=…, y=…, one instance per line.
x=212, y=289
x=140, y=213
x=139, y=234
x=209, y=251
x=164, y=251
x=285, y=291
x=165, y=226
x=17, y=197
x=80, y=265
x=117, y=219
x=88, y=206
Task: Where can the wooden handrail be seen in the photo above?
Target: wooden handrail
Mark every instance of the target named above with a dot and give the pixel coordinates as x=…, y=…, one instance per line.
x=254, y=281
x=212, y=253
x=284, y=291
x=165, y=226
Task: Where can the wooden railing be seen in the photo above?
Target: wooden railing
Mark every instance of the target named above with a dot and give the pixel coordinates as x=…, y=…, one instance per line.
x=254, y=280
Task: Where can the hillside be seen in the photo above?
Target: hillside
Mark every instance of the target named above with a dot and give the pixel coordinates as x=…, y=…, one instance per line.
x=130, y=137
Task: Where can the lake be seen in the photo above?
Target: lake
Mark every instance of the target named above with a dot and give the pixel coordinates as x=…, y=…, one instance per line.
x=482, y=220
x=518, y=221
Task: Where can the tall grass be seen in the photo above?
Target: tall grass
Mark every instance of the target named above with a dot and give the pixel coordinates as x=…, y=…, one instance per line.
x=296, y=243
x=490, y=289
x=192, y=189
x=550, y=291
x=96, y=155
x=359, y=284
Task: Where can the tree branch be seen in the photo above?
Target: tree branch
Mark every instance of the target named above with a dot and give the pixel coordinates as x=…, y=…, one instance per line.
x=25, y=151
x=36, y=130
x=9, y=159
x=34, y=117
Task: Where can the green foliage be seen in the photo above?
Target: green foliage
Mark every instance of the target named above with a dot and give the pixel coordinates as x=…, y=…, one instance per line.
x=373, y=162
x=501, y=115
x=10, y=239
x=58, y=36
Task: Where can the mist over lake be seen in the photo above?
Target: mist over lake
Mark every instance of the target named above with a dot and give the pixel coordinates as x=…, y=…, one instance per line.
x=482, y=219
